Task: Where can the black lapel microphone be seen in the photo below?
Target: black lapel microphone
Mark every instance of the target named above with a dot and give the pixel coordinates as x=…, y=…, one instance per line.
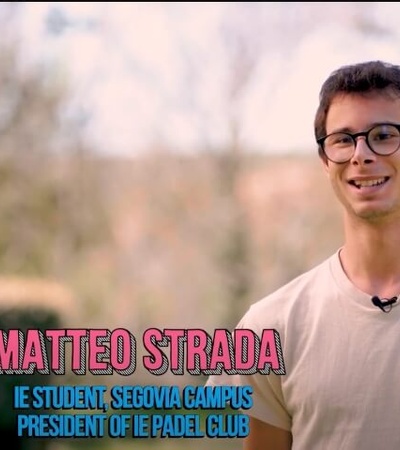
x=385, y=306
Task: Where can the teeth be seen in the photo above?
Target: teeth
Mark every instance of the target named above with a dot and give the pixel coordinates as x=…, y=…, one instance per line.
x=368, y=183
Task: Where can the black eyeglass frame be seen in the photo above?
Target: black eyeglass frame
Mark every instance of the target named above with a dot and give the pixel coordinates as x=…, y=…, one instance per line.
x=354, y=136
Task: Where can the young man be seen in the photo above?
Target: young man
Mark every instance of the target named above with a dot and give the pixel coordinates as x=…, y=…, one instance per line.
x=339, y=323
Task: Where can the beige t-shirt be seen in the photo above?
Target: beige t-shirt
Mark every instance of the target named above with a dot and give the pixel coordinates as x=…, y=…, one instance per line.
x=341, y=389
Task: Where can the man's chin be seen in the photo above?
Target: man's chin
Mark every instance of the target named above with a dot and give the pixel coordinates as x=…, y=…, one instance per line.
x=372, y=214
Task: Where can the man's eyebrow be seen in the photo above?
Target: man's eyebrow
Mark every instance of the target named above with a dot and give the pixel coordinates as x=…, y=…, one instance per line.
x=342, y=130
x=368, y=127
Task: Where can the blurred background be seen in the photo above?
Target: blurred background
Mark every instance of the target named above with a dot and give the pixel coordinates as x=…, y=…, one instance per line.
x=157, y=161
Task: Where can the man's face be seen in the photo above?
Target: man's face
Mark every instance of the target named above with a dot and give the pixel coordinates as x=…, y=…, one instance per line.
x=353, y=181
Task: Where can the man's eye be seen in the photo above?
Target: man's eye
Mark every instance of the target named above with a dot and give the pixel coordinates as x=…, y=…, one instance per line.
x=340, y=139
x=383, y=136
x=384, y=133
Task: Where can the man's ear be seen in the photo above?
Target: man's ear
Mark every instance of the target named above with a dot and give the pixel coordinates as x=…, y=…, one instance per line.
x=325, y=163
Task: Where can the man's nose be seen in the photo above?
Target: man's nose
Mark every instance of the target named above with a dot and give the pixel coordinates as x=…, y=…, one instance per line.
x=362, y=153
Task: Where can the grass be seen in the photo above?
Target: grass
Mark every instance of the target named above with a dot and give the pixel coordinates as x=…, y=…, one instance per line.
x=157, y=443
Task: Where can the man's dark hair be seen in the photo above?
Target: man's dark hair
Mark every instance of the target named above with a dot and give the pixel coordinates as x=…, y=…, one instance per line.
x=361, y=78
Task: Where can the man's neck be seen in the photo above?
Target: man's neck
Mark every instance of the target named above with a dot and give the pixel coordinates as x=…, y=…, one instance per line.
x=371, y=257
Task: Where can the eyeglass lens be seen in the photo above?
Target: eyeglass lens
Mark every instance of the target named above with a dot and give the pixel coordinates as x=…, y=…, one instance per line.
x=382, y=139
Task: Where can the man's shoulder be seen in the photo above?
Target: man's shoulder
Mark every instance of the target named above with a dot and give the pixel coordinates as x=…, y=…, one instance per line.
x=296, y=292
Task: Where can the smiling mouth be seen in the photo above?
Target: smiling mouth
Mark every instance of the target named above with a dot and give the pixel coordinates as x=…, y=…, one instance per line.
x=359, y=184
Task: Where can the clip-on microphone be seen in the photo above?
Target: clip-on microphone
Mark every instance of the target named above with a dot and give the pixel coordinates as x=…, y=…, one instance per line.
x=383, y=304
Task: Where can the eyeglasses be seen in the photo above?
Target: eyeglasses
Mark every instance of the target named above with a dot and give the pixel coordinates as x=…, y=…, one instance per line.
x=382, y=139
